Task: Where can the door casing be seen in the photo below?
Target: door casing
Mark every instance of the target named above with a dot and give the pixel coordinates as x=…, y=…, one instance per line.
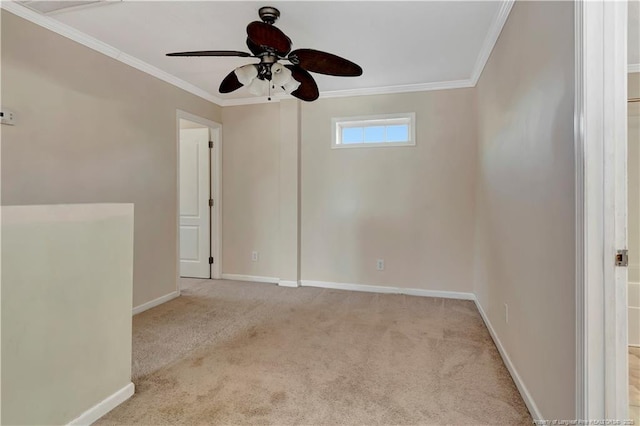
x=215, y=161
x=601, y=209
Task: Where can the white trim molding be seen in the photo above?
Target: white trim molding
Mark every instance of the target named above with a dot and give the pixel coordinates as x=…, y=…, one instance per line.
x=104, y=406
x=275, y=98
x=251, y=278
x=366, y=91
x=633, y=68
x=283, y=283
x=402, y=88
x=491, y=40
x=155, y=302
x=388, y=290
x=524, y=392
x=215, y=170
x=600, y=187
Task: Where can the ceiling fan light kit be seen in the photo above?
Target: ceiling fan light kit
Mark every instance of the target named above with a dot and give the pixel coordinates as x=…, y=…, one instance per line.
x=271, y=45
x=246, y=73
x=283, y=77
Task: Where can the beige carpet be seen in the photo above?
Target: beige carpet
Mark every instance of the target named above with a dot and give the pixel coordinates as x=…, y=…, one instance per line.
x=244, y=353
x=634, y=384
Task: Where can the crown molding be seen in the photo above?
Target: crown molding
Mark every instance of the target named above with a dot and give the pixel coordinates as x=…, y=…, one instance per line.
x=388, y=90
x=491, y=39
x=104, y=48
x=405, y=88
x=633, y=68
x=254, y=100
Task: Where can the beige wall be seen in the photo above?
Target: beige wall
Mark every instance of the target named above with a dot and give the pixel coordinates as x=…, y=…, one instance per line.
x=411, y=206
x=250, y=192
x=289, y=191
x=491, y=178
x=525, y=200
x=66, y=309
x=92, y=129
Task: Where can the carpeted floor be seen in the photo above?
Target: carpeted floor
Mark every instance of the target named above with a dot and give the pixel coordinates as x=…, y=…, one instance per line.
x=245, y=353
x=634, y=384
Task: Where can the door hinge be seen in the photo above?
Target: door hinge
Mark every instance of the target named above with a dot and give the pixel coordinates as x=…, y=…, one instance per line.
x=210, y=144
x=210, y=202
x=622, y=257
x=210, y=260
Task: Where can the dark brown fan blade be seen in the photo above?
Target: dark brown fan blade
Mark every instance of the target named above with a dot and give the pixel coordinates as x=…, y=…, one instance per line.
x=230, y=83
x=324, y=63
x=212, y=53
x=308, y=89
x=254, y=48
x=262, y=34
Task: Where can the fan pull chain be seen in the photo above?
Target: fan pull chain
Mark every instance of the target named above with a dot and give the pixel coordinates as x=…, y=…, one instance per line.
x=269, y=98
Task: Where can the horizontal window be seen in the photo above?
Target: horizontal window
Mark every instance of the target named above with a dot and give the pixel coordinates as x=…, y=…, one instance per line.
x=374, y=131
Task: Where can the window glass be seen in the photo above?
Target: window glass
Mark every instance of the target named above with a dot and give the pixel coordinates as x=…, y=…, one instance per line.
x=379, y=130
x=398, y=133
x=374, y=134
x=351, y=135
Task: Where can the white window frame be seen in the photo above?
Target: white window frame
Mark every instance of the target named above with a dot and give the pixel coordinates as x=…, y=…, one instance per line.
x=338, y=123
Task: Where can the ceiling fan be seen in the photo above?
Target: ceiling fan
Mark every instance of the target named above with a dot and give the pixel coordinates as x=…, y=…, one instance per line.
x=270, y=45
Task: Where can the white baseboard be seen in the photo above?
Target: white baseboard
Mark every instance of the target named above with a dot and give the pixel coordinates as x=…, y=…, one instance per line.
x=524, y=392
x=252, y=278
x=389, y=290
x=104, y=406
x=152, y=304
x=283, y=283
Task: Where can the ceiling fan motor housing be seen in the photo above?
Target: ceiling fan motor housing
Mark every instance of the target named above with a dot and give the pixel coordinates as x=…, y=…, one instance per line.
x=269, y=14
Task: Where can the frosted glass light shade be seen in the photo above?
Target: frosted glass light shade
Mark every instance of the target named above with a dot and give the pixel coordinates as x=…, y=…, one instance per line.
x=258, y=87
x=246, y=74
x=281, y=77
x=291, y=86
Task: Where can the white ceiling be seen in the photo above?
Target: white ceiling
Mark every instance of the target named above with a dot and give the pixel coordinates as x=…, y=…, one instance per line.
x=400, y=45
x=396, y=43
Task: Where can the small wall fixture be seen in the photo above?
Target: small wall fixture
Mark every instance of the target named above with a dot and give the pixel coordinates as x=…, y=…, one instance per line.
x=7, y=117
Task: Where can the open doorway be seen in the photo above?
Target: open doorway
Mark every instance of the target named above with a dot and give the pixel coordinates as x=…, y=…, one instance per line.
x=199, y=150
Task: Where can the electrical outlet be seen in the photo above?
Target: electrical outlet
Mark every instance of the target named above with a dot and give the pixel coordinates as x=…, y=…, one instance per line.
x=380, y=264
x=254, y=256
x=7, y=117
x=506, y=313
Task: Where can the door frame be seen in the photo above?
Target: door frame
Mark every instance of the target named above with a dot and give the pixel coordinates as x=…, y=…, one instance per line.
x=215, y=175
x=600, y=179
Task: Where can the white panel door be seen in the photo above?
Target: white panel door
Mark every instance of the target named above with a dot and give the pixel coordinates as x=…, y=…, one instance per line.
x=194, y=203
